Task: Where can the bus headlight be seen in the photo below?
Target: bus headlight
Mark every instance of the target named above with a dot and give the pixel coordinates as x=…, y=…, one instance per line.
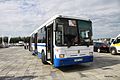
x=61, y=55
x=91, y=53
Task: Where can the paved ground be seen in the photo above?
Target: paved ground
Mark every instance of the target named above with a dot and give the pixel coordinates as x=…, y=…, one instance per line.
x=19, y=64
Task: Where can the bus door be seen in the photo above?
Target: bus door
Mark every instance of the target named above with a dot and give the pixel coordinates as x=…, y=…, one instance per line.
x=49, y=47
x=35, y=42
x=30, y=43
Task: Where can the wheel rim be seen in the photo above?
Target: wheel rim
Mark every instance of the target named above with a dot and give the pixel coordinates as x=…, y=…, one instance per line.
x=113, y=52
x=98, y=50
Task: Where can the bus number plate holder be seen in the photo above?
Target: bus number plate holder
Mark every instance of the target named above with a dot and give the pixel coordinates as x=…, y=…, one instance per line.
x=77, y=60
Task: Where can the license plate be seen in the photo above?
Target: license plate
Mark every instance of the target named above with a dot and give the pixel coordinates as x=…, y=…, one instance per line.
x=77, y=60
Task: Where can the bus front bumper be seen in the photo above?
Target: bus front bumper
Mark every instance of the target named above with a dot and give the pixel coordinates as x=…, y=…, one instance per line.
x=72, y=61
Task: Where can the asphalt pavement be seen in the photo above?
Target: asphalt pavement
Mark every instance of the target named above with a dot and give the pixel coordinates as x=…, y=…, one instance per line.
x=16, y=63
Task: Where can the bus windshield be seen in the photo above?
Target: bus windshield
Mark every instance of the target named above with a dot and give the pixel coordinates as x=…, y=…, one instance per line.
x=70, y=32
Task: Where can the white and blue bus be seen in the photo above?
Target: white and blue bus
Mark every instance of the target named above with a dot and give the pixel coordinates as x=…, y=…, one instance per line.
x=64, y=40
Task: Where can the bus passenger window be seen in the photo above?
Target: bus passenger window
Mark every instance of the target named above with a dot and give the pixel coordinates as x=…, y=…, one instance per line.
x=59, y=34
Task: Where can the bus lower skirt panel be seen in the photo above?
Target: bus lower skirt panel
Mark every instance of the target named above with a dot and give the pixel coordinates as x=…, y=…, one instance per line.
x=58, y=62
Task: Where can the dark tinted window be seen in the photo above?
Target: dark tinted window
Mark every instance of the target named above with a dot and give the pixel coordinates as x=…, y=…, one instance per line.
x=41, y=35
x=73, y=32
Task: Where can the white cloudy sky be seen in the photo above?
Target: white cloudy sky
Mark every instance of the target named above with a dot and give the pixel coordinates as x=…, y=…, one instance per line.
x=21, y=17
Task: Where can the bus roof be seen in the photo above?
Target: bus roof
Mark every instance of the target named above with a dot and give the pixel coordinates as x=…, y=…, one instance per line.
x=57, y=16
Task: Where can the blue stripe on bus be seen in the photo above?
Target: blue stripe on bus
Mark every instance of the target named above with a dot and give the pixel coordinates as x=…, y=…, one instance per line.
x=71, y=61
x=41, y=45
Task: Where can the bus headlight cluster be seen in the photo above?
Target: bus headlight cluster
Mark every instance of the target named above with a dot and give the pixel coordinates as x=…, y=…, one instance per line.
x=61, y=55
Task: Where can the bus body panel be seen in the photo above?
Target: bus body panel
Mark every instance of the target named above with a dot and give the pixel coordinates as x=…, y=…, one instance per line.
x=33, y=46
x=73, y=51
x=58, y=62
x=73, y=55
x=41, y=46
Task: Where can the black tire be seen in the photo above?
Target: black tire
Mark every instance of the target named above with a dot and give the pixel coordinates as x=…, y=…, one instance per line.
x=43, y=58
x=108, y=51
x=113, y=51
x=94, y=50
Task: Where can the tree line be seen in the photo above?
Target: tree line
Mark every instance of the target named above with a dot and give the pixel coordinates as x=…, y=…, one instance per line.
x=17, y=39
x=14, y=39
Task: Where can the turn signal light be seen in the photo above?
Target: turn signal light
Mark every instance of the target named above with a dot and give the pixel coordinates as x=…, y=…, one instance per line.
x=61, y=55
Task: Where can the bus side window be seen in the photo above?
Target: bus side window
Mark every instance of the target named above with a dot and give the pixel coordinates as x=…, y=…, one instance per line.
x=58, y=37
x=59, y=34
x=41, y=35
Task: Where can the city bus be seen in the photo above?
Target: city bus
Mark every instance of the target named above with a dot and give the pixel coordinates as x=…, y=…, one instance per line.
x=63, y=40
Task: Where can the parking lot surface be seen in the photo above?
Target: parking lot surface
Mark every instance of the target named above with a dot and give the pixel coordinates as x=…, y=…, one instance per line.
x=19, y=64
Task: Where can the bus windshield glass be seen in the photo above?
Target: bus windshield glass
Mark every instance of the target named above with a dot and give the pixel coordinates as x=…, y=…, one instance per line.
x=71, y=32
x=85, y=32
